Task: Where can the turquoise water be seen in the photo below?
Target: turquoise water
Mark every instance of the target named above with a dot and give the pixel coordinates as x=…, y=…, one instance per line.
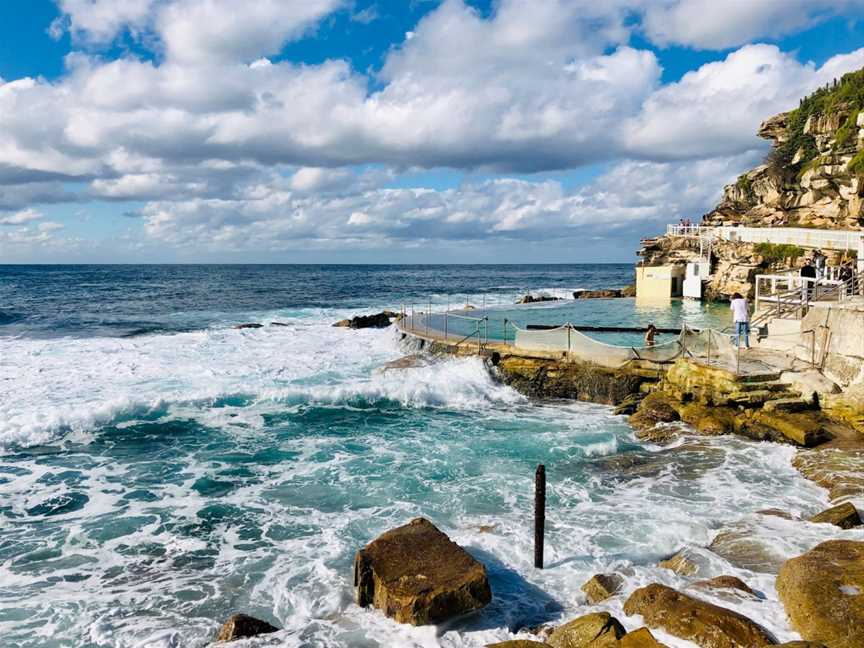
x=594, y=312
x=152, y=483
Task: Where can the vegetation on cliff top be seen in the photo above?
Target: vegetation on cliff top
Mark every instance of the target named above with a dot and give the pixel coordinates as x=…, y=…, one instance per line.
x=773, y=253
x=848, y=93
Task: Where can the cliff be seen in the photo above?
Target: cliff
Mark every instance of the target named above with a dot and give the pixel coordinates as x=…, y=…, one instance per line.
x=813, y=175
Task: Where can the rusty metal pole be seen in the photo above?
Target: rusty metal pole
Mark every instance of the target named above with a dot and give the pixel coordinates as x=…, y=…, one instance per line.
x=539, y=514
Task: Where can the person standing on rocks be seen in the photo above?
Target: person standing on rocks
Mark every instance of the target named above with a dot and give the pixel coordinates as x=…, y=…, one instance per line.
x=741, y=317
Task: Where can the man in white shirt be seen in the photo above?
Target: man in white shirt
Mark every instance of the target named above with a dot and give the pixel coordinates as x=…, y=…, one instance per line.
x=741, y=317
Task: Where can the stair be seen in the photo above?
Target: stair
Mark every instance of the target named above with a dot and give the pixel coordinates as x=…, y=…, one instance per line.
x=788, y=405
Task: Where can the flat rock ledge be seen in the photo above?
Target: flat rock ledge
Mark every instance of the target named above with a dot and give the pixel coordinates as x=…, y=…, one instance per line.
x=243, y=626
x=415, y=574
x=703, y=623
x=823, y=593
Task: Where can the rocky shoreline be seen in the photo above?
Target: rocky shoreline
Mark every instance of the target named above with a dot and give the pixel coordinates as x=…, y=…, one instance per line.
x=415, y=574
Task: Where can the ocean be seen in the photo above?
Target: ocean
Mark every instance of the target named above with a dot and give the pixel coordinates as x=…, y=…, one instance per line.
x=161, y=469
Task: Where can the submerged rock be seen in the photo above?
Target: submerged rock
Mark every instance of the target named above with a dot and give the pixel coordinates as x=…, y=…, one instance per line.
x=741, y=547
x=703, y=623
x=725, y=582
x=840, y=471
x=601, y=587
x=415, y=574
x=681, y=564
x=533, y=299
x=598, y=630
x=605, y=293
x=243, y=626
x=249, y=326
x=823, y=593
x=844, y=516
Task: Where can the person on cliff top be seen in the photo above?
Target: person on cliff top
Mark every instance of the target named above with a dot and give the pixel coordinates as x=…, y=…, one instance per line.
x=808, y=271
x=741, y=317
x=650, y=332
x=819, y=260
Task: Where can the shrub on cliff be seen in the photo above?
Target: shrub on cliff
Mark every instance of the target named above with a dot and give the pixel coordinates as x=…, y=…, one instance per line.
x=773, y=253
x=848, y=92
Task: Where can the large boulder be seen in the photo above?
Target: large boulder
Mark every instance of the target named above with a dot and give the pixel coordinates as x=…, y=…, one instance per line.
x=823, y=593
x=415, y=574
x=598, y=630
x=703, y=623
x=243, y=626
x=844, y=516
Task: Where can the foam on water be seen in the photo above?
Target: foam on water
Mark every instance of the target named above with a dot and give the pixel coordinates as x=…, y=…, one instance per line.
x=194, y=475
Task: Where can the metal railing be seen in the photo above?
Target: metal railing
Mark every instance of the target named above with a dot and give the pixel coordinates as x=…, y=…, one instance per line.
x=841, y=240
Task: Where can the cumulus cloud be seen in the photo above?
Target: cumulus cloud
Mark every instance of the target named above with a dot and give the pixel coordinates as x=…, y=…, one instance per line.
x=228, y=146
x=21, y=217
x=715, y=109
x=272, y=217
x=708, y=24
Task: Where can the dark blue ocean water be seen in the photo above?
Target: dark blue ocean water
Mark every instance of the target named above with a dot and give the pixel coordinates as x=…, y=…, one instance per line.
x=122, y=300
x=160, y=469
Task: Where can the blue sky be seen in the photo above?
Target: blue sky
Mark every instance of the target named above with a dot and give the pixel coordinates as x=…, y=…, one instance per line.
x=373, y=131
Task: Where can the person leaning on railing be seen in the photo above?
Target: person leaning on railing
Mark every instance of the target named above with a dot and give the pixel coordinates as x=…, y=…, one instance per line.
x=741, y=317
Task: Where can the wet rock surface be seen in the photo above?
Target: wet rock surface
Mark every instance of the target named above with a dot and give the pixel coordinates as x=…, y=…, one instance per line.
x=243, y=626
x=598, y=630
x=601, y=587
x=378, y=320
x=725, y=582
x=823, y=593
x=655, y=409
x=703, y=623
x=840, y=471
x=415, y=574
x=743, y=549
x=641, y=638
x=844, y=516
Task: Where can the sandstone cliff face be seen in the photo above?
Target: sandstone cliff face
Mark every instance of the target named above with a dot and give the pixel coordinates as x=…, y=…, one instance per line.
x=813, y=176
x=733, y=269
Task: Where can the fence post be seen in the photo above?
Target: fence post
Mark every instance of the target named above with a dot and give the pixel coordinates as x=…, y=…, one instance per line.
x=539, y=514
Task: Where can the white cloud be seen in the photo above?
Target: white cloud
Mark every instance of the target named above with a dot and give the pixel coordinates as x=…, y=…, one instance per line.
x=267, y=217
x=100, y=21
x=21, y=217
x=715, y=109
x=709, y=24
x=207, y=31
x=229, y=147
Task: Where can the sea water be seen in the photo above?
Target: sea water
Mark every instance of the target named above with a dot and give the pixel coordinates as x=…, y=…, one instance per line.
x=161, y=469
